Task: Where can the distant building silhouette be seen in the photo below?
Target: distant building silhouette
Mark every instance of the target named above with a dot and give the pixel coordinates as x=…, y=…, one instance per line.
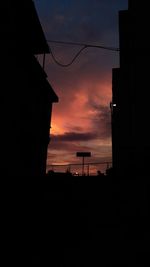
x=130, y=103
x=26, y=96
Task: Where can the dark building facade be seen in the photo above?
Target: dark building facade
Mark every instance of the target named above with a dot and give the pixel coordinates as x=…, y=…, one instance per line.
x=26, y=96
x=130, y=86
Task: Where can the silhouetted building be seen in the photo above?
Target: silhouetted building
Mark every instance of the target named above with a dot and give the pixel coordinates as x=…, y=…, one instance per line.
x=130, y=103
x=26, y=96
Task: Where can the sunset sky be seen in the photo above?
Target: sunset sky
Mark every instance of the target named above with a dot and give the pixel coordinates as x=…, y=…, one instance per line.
x=81, y=119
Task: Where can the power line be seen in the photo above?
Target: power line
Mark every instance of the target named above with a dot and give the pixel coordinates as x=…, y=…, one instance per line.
x=84, y=46
x=71, y=62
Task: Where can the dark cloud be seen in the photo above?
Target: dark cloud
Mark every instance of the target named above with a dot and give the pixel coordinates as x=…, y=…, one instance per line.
x=66, y=147
x=79, y=20
x=74, y=136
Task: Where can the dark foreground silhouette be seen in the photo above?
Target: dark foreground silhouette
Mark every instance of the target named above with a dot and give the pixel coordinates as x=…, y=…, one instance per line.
x=89, y=221
x=75, y=221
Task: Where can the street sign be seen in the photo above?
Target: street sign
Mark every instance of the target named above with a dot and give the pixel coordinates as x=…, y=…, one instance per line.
x=83, y=154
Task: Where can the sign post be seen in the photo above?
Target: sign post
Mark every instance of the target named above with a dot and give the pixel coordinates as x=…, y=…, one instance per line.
x=83, y=155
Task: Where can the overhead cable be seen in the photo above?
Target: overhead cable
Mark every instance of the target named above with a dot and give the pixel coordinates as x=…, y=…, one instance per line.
x=71, y=62
x=84, y=46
